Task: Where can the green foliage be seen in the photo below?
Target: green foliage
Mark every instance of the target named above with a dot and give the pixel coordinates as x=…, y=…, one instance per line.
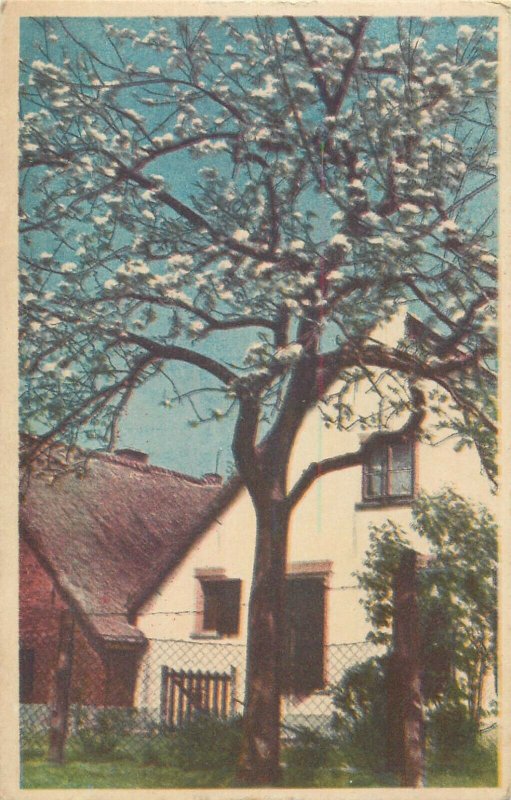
x=480, y=769
x=102, y=737
x=310, y=751
x=206, y=743
x=34, y=745
x=452, y=732
x=457, y=593
x=360, y=719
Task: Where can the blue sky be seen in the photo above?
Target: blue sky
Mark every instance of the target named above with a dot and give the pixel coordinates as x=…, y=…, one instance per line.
x=165, y=433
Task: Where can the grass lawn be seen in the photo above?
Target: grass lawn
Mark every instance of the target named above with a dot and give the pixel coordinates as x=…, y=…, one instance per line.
x=37, y=774
x=118, y=775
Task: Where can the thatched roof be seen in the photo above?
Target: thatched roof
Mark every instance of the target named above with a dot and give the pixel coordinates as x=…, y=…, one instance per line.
x=110, y=532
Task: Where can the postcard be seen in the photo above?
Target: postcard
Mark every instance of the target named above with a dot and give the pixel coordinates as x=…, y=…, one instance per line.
x=256, y=350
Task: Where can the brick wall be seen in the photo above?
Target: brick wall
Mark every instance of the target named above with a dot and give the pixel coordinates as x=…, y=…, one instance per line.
x=103, y=677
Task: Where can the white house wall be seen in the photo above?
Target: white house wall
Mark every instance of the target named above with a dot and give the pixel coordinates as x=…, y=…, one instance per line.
x=325, y=527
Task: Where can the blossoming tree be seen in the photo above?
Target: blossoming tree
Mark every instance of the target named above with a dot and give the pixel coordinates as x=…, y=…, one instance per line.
x=283, y=186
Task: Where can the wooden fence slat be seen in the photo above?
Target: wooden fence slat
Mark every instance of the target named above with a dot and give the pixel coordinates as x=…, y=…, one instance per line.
x=181, y=676
x=207, y=682
x=233, y=691
x=172, y=700
x=223, y=712
x=164, y=696
x=185, y=692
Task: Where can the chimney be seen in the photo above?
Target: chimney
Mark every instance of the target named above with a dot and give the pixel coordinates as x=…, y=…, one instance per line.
x=133, y=455
x=212, y=478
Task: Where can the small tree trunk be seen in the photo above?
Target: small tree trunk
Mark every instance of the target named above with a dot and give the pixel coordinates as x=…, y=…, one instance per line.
x=406, y=718
x=60, y=709
x=260, y=759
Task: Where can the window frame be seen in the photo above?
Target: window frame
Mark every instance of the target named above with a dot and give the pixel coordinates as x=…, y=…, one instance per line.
x=319, y=572
x=387, y=498
x=204, y=626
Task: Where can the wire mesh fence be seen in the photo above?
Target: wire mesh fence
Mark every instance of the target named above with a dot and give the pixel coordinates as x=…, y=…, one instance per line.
x=125, y=705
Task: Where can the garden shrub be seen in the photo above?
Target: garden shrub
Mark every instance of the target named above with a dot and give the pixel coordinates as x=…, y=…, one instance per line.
x=206, y=743
x=34, y=745
x=100, y=737
x=308, y=752
x=360, y=720
x=452, y=732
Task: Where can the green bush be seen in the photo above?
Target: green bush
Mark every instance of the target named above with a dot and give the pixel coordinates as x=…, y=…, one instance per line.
x=100, y=737
x=309, y=752
x=360, y=720
x=157, y=750
x=452, y=733
x=206, y=743
x=34, y=745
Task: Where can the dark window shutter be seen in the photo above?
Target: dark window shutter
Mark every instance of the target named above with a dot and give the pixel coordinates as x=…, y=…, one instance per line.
x=303, y=654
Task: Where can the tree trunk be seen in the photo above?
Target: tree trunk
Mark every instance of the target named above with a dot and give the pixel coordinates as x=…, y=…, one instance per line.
x=260, y=759
x=60, y=710
x=406, y=719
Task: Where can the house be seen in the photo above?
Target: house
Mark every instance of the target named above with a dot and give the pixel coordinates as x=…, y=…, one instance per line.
x=158, y=566
x=93, y=539
x=329, y=536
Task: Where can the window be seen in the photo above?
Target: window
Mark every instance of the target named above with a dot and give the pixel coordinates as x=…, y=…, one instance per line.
x=27, y=674
x=388, y=473
x=304, y=652
x=221, y=606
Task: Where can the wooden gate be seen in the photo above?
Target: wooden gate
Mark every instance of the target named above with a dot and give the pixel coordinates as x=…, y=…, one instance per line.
x=184, y=695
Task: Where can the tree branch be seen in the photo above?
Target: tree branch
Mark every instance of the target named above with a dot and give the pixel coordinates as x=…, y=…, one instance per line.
x=171, y=352
x=317, y=469
x=337, y=100
x=97, y=401
x=318, y=79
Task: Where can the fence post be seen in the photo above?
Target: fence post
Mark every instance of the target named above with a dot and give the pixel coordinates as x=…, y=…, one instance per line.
x=164, y=693
x=60, y=709
x=405, y=711
x=232, y=710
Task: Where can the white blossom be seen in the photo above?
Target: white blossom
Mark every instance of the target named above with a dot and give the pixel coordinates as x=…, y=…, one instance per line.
x=296, y=244
x=263, y=267
x=340, y=240
x=448, y=225
x=69, y=266
x=196, y=327
x=289, y=354
x=101, y=220
x=465, y=31
x=240, y=235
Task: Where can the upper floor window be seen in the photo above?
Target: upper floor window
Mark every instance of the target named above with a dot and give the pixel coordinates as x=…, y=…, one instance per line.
x=389, y=472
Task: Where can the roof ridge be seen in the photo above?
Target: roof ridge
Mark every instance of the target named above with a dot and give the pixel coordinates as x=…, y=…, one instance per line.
x=125, y=461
